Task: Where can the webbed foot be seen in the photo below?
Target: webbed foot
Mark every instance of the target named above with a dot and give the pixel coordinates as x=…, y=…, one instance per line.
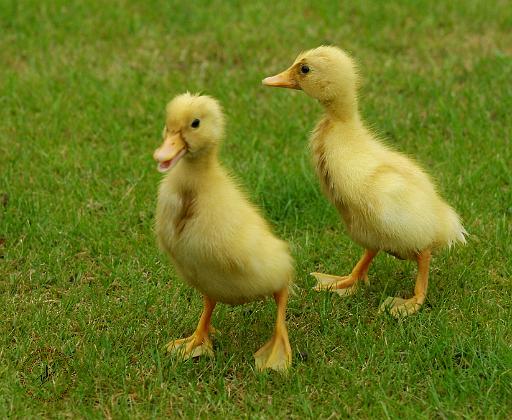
x=342, y=285
x=400, y=308
x=276, y=354
x=193, y=346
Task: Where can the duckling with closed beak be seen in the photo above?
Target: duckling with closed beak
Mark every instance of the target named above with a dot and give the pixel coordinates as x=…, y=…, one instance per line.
x=387, y=201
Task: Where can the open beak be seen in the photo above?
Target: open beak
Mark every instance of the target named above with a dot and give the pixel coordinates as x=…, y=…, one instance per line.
x=284, y=79
x=170, y=152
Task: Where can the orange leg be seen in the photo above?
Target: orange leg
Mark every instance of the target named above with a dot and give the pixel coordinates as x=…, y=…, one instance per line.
x=399, y=307
x=276, y=354
x=346, y=285
x=199, y=342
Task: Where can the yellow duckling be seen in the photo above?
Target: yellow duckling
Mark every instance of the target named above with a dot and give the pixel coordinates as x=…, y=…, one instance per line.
x=217, y=240
x=386, y=200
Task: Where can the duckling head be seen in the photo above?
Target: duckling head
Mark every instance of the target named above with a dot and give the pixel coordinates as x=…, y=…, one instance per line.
x=193, y=129
x=327, y=74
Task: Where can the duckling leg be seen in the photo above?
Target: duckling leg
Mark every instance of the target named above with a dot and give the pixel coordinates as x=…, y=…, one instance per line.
x=277, y=353
x=199, y=342
x=346, y=285
x=399, y=307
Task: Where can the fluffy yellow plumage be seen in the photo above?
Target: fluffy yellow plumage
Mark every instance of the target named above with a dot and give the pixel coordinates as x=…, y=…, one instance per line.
x=386, y=200
x=217, y=240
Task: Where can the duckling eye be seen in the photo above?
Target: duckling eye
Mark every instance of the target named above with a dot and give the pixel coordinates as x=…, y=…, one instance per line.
x=304, y=69
x=195, y=123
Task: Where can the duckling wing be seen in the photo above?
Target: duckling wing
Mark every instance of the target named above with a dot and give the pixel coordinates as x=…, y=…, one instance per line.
x=230, y=251
x=404, y=212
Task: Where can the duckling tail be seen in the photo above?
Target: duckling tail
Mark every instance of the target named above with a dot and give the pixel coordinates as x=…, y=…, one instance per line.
x=455, y=231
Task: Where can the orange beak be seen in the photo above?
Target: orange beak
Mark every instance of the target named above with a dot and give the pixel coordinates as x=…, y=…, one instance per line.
x=284, y=79
x=170, y=152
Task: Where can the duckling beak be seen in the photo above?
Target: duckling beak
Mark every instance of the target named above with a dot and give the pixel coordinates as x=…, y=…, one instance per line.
x=170, y=152
x=284, y=79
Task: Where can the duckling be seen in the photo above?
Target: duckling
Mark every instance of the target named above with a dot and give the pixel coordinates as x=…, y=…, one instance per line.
x=217, y=240
x=387, y=201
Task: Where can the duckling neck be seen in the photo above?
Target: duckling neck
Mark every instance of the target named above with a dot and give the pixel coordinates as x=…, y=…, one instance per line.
x=341, y=107
x=194, y=173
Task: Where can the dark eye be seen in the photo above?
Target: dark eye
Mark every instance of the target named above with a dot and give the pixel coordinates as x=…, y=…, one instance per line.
x=195, y=123
x=304, y=69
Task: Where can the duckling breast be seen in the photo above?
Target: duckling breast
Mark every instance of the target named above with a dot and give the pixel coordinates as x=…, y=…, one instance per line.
x=175, y=209
x=221, y=245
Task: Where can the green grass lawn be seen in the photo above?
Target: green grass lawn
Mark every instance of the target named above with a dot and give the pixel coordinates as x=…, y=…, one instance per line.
x=83, y=86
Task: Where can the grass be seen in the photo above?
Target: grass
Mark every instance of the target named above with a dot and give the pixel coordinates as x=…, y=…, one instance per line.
x=84, y=85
